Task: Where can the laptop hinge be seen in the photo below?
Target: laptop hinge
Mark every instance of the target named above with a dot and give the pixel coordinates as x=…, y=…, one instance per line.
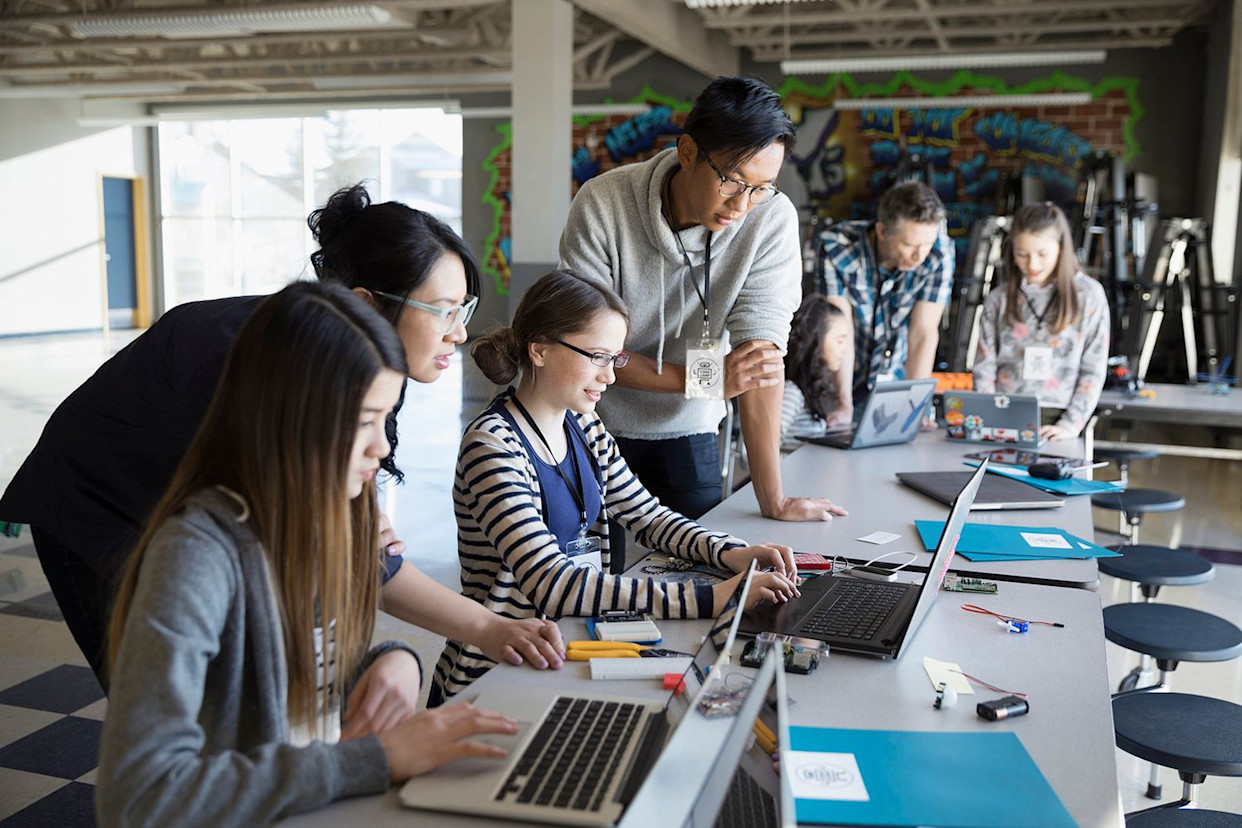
x=645, y=756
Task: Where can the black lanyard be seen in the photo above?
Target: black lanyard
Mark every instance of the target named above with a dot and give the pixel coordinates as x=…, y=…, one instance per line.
x=574, y=491
x=1039, y=317
x=705, y=295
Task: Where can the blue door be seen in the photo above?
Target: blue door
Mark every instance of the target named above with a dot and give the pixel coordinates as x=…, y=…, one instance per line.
x=118, y=196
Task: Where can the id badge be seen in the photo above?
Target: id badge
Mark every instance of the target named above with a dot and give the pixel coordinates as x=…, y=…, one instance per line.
x=705, y=370
x=586, y=550
x=1037, y=363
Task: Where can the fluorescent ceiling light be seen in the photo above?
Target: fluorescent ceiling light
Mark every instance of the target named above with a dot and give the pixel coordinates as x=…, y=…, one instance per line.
x=710, y=4
x=429, y=79
x=86, y=90
x=949, y=102
x=577, y=109
x=910, y=62
x=236, y=22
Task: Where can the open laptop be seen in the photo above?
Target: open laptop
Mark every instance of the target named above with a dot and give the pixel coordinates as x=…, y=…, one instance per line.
x=996, y=491
x=581, y=758
x=892, y=414
x=1006, y=419
x=867, y=617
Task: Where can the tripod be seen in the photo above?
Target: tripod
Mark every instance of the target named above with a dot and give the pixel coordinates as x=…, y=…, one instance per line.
x=987, y=243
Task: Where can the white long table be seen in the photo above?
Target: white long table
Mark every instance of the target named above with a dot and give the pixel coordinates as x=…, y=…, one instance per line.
x=865, y=483
x=1068, y=732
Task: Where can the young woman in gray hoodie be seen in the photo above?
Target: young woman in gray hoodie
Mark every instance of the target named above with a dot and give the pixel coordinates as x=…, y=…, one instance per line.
x=245, y=614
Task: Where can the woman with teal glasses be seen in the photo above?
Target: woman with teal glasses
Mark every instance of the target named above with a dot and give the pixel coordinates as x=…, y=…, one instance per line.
x=110, y=449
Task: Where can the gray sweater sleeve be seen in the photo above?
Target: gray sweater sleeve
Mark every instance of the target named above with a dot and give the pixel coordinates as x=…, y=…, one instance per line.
x=773, y=288
x=156, y=763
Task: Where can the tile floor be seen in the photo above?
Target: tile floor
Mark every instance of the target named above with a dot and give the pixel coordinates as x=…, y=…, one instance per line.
x=51, y=708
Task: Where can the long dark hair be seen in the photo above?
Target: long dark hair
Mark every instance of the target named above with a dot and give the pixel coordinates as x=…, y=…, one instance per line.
x=1045, y=219
x=560, y=304
x=279, y=434
x=386, y=247
x=804, y=361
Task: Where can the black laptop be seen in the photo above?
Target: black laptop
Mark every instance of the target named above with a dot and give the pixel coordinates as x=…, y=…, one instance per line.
x=867, y=617
x=996, y=491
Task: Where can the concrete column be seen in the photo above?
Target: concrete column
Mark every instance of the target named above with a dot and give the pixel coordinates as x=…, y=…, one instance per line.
x=542, y=135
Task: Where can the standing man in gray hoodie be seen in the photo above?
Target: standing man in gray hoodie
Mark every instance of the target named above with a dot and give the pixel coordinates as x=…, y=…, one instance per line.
x=702, y=246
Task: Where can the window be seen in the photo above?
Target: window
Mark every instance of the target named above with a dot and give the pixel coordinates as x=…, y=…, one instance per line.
x=235, y=194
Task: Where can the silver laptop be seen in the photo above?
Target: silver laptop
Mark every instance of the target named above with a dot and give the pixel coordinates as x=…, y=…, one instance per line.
x=996, y=419
x=873, y=618
x=581, y=758
x=892, y=414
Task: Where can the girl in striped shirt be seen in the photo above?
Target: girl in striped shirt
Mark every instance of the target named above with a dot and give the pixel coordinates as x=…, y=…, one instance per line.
x=539, y=477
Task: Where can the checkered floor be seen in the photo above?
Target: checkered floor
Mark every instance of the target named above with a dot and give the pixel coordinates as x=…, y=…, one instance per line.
x=51, y=714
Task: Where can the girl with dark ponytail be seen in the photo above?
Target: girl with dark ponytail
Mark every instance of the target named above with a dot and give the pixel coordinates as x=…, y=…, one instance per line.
x=538, y=477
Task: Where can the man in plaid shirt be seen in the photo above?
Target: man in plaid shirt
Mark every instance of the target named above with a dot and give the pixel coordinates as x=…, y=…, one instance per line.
x=892, y=278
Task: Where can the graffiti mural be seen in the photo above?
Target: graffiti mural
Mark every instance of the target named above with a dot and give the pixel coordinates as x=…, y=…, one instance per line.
x=844, y=159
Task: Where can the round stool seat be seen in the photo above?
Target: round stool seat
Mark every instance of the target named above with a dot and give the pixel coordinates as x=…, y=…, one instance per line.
x=1158, y=566
x=1182, y=818
x=1125, y=455
x=1173, y=633
x=1195, y=734
x=1139, y=501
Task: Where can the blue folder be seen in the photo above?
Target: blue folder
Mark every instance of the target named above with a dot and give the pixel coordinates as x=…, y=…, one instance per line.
x=1000, y=542
x=973, y=780
x=1068, y=486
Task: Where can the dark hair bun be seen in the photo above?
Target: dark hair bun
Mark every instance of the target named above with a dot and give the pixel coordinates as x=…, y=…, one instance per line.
x=342, y=208
x=497, y=355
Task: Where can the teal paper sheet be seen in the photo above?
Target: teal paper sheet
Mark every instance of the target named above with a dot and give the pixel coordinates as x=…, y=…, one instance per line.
x=997, y=542
x=1069, y=486
x=972, y=780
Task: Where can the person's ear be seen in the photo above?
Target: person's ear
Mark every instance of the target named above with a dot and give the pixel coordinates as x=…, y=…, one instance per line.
x=881, y=231
x=538, y=353
x=366, y=296
x=687, y=151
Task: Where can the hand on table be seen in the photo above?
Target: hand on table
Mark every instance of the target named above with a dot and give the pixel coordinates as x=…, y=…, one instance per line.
x=386, y=695
x=765, y=556
x=1057, y=432
x=753, y=364
x=433, y=738
x=807, y=508
x=530, y=640
x=764, y=586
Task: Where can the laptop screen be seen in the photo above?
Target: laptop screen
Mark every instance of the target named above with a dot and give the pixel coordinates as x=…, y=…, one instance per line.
x=945, y=550
x=893, y=411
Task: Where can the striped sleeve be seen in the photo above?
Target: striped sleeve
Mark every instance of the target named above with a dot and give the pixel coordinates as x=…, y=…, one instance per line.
x=512, y=564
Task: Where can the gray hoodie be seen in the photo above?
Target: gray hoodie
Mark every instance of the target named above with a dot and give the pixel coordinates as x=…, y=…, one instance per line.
x=197, y=730
x=617, y=233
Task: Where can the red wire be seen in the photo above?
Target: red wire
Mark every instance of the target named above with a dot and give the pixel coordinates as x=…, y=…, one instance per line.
x=982, y=611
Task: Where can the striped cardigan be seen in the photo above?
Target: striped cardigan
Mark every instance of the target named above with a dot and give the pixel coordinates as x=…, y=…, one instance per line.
x=512, y=564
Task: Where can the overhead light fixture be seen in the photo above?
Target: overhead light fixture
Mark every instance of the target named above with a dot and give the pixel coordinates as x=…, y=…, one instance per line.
x=87, y=90
x=236, y=22
x=977, y=101
x=576, y=110
x=711, y=4
x=418, y=81
x=912, y=62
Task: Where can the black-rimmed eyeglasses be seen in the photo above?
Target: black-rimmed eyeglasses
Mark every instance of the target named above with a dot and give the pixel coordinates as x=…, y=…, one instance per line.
x=601, y=359
x=732, y=187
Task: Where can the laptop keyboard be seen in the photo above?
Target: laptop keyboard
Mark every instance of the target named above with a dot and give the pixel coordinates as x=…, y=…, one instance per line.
x=747, y=804
x=574, y=756
x=858, y=611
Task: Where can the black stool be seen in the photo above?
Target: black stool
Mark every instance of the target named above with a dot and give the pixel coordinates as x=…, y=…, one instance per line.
x=1148, y=568
x=1170, y=634
x=1164, y=817
x=1132, y=504
x=1195, y=735
x=1123, y=458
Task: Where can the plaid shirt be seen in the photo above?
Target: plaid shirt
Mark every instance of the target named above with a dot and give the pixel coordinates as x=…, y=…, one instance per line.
x=850, y=269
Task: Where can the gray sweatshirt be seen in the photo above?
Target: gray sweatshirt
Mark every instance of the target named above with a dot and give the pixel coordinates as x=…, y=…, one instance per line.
x=197, y=730
x=617, y=233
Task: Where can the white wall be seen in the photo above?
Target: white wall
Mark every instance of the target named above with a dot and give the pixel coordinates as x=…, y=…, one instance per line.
x=51, y=215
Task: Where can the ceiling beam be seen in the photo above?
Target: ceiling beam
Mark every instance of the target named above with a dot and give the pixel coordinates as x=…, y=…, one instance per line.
x=777, y=52
x=672, y=29
x=1108, y=27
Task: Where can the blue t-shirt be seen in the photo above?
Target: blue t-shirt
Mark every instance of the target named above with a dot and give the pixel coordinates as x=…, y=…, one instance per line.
x=560, y=510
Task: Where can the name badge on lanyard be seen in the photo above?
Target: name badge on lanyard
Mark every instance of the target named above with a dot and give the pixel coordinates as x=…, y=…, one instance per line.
x=586, y=550
x=1037, y=356
x=705, y=356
